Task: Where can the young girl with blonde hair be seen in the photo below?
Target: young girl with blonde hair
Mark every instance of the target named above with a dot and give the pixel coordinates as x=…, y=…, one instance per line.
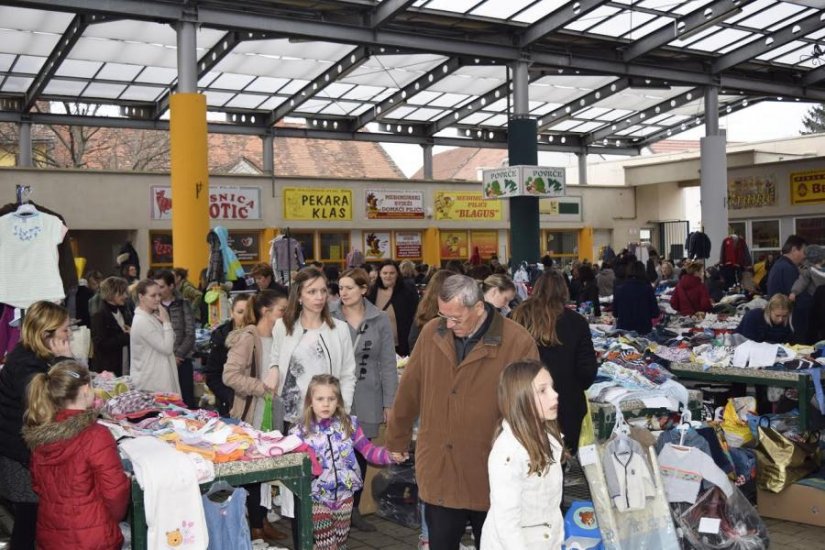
x=75, y=467
x=334, y=436
x=525, y=464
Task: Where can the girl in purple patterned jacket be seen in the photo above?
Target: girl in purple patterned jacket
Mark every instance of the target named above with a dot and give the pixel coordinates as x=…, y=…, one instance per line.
x=334, y=436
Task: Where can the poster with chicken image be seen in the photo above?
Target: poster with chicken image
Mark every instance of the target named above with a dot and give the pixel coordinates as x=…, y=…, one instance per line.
x=377, y=245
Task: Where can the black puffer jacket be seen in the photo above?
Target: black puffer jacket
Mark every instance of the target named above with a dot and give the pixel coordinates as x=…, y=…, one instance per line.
x=21, y=366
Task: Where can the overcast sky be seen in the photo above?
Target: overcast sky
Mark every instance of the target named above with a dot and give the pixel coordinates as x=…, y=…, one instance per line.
x=764, y=121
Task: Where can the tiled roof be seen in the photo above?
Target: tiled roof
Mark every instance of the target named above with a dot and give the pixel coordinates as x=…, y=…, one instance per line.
x=463, y=163
x=674, y=146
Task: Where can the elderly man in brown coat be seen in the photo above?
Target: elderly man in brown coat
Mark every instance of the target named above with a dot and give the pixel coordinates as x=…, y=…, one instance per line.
x=451, y=382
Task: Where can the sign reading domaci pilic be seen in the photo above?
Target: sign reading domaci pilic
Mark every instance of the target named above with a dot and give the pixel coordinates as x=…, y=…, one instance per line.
x=523, y=181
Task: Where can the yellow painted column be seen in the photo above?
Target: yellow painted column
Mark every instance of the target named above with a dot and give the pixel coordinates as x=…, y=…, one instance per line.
x=586, y=244
x=430, y=247
x=267, y=235
x=190, y=181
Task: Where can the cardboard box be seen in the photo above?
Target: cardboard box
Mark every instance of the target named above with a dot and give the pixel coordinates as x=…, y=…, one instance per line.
x=798, y=503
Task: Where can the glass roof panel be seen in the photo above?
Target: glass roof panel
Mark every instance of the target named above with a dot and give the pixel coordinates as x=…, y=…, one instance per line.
x=423, y=114
x=719, y=40
x=336, y=89
x=363, y=108
x=104, y=49
x=142, y=93
x=157, y=75
x=500, y=9
x=685, y=8
x=614, y=114
x=565, y=125
x=293, y=86
x=312, y=106
x=591, y=113
x=423, y=97
x=401, y=112
x=497, y=120
x=118, y=71
x=35, y=20
x=449, y=100
x=245, y=101
x=229, y=81
x=58, y=86
x=536, y=12
x=475, y=118
x=217, y=99
x=363, y=93
x=6, y=61
x=782, y=50
x=266, y=84
x=79, y=69
x=739, y=43
x=750, y=9
x=818, y=34
x=207, y=79
x=457, y=6
x=694, y=38
x=622, y=23
x=796, y=55
x=777, y=12
x=644, y=30
x=28, y=64
x=465, y=84
x=104, y=90
x=587, y=126
x=801, y=15
x=593, y=18
x=16, y=84
x=271, y=103
x=341, y=108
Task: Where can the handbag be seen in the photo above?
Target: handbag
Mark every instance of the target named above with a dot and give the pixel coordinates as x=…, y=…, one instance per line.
x=780, y=462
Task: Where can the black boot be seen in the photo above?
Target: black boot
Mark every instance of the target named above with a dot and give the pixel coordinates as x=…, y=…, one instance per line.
x=360, y=523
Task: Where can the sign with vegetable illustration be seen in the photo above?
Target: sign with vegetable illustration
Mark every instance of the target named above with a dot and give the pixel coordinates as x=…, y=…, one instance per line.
x=523, y=181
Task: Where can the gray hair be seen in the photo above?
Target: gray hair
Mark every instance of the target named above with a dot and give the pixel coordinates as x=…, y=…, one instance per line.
x=463, y=287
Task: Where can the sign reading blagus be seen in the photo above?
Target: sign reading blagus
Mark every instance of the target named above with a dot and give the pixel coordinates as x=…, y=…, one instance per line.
x=808, y=187
x=523, y=181
x=314, y=203
x=465, y=206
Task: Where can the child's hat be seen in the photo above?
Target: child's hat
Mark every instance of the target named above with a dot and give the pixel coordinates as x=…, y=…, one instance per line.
x=815, y=253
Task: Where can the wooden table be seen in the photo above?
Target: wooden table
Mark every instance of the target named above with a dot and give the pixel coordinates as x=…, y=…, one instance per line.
x=293, y=470
x=798, y=380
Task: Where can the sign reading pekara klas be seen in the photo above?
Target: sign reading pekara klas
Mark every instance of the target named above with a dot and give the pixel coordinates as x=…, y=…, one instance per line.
x=225, y=203
x=316, y=203
x=383, y=204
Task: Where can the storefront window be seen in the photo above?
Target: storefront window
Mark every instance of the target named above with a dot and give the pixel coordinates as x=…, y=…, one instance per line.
x=562, y=243
x=334, y=247
x=737, y=228
x=307, y=241
x=765, y=234
x=811, y=229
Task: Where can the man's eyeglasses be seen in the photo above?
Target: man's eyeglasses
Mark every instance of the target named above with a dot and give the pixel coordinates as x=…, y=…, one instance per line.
x=454, y=320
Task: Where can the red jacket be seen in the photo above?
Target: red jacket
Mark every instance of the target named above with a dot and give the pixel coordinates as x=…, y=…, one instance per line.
x=690, y=296
x=78, y=476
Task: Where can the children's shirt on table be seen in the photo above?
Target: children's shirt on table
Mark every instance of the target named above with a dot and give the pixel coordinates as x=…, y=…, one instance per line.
x=684, y=468
x=29, y=259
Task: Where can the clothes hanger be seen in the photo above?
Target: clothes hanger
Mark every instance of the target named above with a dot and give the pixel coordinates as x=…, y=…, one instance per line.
x=221, y=489
x=684, y=426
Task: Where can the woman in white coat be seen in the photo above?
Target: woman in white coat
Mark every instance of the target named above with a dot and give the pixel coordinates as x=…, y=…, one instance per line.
x=309, y=341
x=152, y=340
x=525, y=464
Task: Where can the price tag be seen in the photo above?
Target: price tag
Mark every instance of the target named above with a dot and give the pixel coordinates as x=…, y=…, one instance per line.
x=709, y=525
x=587, y=455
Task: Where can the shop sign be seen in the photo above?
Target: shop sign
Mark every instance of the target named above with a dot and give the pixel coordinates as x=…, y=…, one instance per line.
x=454, y=245
x=808, y=187
x=407, y=245
x=385, y=204
x=314, y=203
x=562, y=208
x=225, y=203
x=160, y=248
x=465, y=206
x=487, y=243
x=376, y=245
x=752, y=192
x=246, y=245
x=523, y=181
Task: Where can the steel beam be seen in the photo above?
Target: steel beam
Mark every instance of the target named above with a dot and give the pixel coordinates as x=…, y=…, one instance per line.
x=813, y=76
x=466, y=110
x=726, y=109
x=401, y=96
x=567, y=112
x=58, y=54
x=134, y=9
x=338, y=69
x=758, y=47
x=566, y=14
x=693, y=22
x=388, y=9
x=658, y=109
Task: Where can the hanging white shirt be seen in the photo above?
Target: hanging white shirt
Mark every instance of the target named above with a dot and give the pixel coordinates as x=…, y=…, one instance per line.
x=29, y=260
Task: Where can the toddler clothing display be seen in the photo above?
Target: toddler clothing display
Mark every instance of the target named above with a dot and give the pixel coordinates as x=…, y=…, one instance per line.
x=628, y=478
x=684, y=468
x=226, y=522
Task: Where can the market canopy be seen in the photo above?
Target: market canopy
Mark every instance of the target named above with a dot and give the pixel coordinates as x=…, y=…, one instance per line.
x=605, y=76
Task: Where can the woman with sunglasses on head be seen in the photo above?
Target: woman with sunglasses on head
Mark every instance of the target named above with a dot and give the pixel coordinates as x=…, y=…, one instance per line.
x=375, y=366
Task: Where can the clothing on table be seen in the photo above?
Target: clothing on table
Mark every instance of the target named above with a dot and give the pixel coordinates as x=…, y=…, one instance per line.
x=77, y=473
x=326, y=351
x=226, y=522
x=29, y=269
x=698, y=246
x=171, y=494
x=782, y=276
x=65, y=261
x=684, y=468
x=524, y=509
x=628, y=478
x=153, y=367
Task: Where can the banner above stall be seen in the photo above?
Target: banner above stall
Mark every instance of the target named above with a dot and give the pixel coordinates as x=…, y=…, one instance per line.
x=523, y=181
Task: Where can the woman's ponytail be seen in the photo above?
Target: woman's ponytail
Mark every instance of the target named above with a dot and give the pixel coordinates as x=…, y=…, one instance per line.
x=49, y=392
x=41, y=409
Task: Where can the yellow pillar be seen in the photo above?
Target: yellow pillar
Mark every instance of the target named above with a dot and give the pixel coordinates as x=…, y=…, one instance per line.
x=430, y=247
x=190, y=181
x=586, y=244
x=267, y=235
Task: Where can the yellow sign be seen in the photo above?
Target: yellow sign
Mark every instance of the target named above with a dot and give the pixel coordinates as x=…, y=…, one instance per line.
x=465, y=206
x=313, y=203
x=486, y=241
x=808, y=187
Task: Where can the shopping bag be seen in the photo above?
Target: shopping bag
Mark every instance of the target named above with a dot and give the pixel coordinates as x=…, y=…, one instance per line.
x=780, y=461
x=587, y=435
x=266, y=421
x=734, y=420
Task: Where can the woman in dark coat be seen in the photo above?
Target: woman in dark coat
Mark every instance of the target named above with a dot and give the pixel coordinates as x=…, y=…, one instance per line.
x=634, y=302
x=398, y=300
x=110, y=327
x=589, y=290
x=565, y=347
x=44, y=340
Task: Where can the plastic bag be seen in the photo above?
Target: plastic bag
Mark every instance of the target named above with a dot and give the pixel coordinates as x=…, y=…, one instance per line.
x=734, y=423
x=396, y=494
x=266, y=421
x=739, y=525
